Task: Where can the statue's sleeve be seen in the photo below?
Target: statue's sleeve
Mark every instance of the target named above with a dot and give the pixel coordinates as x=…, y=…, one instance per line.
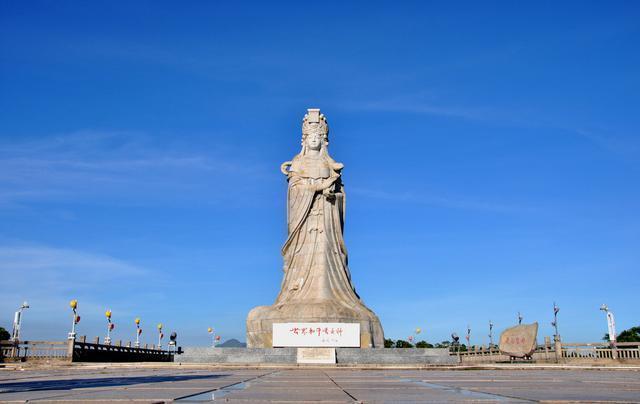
x=299, y=201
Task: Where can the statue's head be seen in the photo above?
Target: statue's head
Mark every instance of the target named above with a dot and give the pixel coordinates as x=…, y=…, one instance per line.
x=315, y=130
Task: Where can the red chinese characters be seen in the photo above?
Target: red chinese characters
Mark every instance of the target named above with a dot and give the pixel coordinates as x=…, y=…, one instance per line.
x=515, y=340
x=317, y=331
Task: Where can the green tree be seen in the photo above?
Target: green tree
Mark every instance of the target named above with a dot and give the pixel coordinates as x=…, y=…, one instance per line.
x=403, y=344
x=389, y=343
x=4, y=334
x=423, y=344
x=630, y=335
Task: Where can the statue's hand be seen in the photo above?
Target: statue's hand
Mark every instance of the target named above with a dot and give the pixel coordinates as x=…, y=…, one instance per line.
x=329, y=194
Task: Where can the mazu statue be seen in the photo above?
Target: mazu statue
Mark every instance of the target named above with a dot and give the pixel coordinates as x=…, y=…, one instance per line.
x=317, y=285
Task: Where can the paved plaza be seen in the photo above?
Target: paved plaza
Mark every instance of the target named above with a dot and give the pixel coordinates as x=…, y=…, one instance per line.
x=186, y=384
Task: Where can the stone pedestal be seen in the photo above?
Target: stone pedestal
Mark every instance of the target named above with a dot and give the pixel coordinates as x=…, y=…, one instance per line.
x=260, y=321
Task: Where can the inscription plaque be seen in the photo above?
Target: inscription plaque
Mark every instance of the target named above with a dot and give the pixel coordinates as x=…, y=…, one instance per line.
x=316, y=335
x=316, y=355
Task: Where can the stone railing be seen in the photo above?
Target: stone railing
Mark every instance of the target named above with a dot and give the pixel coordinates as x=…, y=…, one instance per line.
x=476, y=351
x=34, y=350
x=621, y=351
x=492, y=354
x=562, y=352
x=94, y=352
x=627, y=350
x=78, y=350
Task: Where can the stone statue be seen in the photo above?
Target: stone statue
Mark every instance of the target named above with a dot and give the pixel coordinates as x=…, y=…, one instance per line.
x=317, y=284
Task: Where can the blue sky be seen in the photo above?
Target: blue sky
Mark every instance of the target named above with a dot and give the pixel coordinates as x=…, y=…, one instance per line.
x=492, y=160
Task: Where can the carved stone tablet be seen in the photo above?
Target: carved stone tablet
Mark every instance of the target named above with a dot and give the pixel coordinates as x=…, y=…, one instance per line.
x=316, y=355
x=519, y=341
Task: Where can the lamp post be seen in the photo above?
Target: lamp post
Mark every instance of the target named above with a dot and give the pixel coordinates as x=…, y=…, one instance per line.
x=160, y=335
x=173, y=341
x=611, y=323
x=110, y=326
x=468, y=337
x=520, y=318
x=76, y=318
x=554, y=323
x=17, y=322
x=213, y=336
x=556, y=338
x=138, y=332
x=455, y=341
x=417, y=332
x=490, y=335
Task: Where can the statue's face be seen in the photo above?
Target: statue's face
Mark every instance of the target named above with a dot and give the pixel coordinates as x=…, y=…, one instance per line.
x=314, y=141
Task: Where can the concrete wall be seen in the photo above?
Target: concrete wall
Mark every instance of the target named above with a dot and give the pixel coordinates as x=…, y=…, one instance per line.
x=395, y=356
x=237, y=355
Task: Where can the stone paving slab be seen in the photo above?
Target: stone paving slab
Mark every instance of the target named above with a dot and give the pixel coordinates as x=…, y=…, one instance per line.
x=168, y=383
x=291, y=395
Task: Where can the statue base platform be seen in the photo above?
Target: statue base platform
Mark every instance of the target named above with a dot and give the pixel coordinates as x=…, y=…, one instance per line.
x=261, y=319
x=410, y=357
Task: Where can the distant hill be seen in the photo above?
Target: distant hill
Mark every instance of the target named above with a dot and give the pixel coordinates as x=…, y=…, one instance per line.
x=232, y=343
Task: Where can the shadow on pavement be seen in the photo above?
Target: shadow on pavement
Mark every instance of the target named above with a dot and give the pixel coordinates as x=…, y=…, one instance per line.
x=68, y=384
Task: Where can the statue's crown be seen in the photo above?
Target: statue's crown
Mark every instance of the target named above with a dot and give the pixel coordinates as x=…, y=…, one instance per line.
x=315, y=122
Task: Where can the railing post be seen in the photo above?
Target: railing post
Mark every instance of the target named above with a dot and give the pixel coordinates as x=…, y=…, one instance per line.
x=547, y=343
x=71, y=344
x=15, y=349
x=558, y=346
x=614, y=351
x=96, y=340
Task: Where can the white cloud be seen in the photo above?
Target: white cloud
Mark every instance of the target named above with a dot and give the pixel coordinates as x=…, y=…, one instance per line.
x=442, y=201
x=504, y=116
x=425, y=108
x=49, y=277
x=120, y=166
x=54, y=270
